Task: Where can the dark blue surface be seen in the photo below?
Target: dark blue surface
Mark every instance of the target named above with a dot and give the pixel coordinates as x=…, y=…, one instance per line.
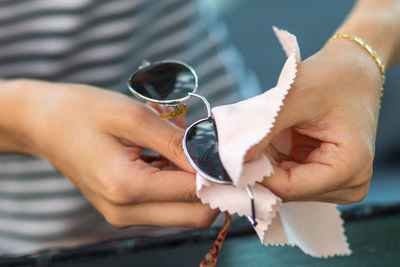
x=374, y=242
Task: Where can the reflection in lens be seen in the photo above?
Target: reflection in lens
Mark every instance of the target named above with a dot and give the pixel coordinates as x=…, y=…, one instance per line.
x=164, y=81
x=202, y=147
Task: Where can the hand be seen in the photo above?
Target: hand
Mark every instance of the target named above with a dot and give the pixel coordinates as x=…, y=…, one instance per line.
x=332, y=113
x=95, y=138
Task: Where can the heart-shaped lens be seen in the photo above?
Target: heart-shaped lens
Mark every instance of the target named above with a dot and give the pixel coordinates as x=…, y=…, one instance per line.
x=201, y=148
x=164, y=82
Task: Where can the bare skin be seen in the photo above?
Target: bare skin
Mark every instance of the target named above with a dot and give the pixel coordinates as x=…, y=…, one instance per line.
x=94, y=137
x=333, y=135
x=333, y=111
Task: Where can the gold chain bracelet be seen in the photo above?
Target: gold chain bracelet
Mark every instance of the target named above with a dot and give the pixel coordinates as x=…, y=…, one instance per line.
x=368, y=48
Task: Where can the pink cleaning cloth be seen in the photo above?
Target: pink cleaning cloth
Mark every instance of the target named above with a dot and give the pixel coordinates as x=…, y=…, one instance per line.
x=313, y=226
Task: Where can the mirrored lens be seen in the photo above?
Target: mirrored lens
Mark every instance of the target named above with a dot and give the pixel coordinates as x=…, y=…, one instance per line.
x=202, y=147
x=164, y=81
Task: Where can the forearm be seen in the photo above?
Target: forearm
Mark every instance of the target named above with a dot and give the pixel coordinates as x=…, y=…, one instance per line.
x=377, y=22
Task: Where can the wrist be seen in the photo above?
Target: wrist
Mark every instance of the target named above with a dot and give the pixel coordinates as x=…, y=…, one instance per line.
x=353, y=59
x=355, y=68
x=367, y=48
x=19, y=106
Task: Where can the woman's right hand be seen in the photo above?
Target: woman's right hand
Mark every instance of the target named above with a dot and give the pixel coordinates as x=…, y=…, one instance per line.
x=95, y=137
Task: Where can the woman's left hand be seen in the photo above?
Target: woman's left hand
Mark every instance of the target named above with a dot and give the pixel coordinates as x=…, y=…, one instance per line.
x=332, y=112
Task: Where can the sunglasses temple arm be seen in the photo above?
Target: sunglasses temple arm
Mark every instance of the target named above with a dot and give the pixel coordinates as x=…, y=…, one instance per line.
x=252, y=219
x=205, y=102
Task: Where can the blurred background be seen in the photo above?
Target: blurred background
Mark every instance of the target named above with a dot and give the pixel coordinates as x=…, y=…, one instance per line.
x=250, y=22
x=375, y=241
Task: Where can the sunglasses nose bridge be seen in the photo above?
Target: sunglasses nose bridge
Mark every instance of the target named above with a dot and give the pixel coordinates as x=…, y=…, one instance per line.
x=205, y=101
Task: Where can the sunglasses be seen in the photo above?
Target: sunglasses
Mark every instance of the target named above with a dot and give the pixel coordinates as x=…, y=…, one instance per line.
x=173, y=83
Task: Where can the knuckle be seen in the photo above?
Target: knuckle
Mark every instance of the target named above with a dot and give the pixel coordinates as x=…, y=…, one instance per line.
x=351, y=163
x=357, y=195
x=175, y=145
x=115, y=218
x=364, y=175
x=359, y=168
x=188, y=195
x=354, y=198
x=362, y=192
x=116, y=223
x=117, y=193
x=121, y=188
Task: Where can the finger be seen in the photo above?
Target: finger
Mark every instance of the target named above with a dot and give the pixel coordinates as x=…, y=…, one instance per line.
x=167, y=139
x=138, y=182
x=158, y=107
x=275, y=154
x=302, y=146
x=127, y=179
x=290, y=114
x=343, y=196
x=146, y=129
x=169, y=185
x=194, y=215
x=293, y=181
x=180, y=121
x=324, y=170
x=160, y=164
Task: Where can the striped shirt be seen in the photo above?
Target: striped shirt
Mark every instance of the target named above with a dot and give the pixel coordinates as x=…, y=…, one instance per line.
x=97, y=42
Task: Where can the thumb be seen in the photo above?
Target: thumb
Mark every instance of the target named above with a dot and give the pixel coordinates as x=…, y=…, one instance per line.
x=291, y=113
x=151, y=131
